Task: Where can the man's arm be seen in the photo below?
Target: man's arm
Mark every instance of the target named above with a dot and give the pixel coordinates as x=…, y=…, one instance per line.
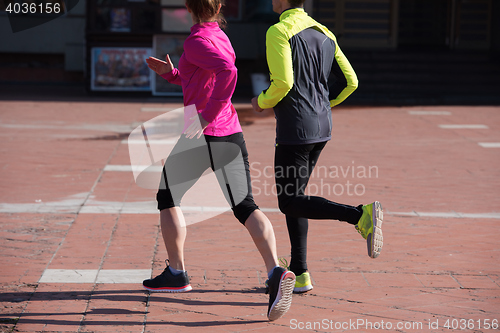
x=343, y=80
x=279, y=60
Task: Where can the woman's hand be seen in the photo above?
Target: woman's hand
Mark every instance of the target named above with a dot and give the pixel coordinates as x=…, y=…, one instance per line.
x=198, y=125
x=160, y=67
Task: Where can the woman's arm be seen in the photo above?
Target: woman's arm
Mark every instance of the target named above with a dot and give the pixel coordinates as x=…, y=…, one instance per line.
x=165, y=69
x=202, y=53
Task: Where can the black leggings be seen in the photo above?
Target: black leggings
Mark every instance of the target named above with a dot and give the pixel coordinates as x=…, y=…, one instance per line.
x=293, y=165
x=227, y=156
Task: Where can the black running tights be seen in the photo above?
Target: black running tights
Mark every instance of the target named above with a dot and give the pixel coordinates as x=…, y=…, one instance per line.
x=293, y=165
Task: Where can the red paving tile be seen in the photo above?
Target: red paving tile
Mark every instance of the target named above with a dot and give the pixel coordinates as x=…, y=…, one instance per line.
x=433, y=268
x=476, y=282
x=136, y=232
x=86, y=242
x=438, y=281
x=115, y=308
x=55, y=307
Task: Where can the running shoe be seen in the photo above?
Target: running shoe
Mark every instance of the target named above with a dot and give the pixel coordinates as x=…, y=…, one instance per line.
x=284, y=264
x=281, y=285
x=168, y=282
x=370, y=227
x=303, y=283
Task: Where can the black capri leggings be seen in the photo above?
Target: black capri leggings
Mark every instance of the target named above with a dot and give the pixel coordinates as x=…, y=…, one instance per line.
x=227, y=156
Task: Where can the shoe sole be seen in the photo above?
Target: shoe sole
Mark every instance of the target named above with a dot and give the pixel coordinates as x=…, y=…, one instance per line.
x=301, y=290
x=376, y=242
x=170, y=290
x=283, y=300
x=296, y=290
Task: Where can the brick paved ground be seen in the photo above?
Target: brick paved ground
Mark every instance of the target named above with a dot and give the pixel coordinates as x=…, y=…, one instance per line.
x=65, y=214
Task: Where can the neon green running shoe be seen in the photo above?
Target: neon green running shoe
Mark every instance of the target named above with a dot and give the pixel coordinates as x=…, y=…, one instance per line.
x=370, y=227
x=303, y=283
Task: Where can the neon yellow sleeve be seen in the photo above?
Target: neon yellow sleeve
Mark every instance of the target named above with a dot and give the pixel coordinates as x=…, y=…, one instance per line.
x=279, y=60
x=350, y=76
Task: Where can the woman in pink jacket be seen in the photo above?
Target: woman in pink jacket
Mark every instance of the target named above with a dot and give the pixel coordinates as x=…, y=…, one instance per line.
x=208, y=76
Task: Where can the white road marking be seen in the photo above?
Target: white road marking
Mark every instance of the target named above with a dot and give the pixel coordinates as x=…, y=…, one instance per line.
x=152, y=142
x=114, y=207
x=144, y=207
x=439, y=214
x=446, y=215
x=489, y=144
x=164, y=109
x=480, y=216
x=133, y=168
x=68, y=276
x=464, y=126
x=149, y=207
x=83, y=127
x=95, y=275
x=123, y=275
x=70, y=205
x=429, y=113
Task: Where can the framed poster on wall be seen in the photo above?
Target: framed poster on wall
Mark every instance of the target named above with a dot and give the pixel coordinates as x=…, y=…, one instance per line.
x=173, y=46
x=120, y=69
x=120, y=20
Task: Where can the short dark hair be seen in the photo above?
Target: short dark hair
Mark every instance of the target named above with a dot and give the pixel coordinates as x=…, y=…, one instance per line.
x=296, y=3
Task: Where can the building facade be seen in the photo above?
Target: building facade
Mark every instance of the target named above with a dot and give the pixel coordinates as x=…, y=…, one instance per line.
x=104, y=42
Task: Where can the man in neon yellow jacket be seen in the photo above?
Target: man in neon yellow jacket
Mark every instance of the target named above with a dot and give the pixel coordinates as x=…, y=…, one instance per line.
x=309, y=76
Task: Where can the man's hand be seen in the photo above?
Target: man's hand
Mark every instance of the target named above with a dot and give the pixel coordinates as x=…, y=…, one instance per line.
x=255, y=105
x=160, y=67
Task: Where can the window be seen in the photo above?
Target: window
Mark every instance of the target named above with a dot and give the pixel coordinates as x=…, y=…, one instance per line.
x=124, y=16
